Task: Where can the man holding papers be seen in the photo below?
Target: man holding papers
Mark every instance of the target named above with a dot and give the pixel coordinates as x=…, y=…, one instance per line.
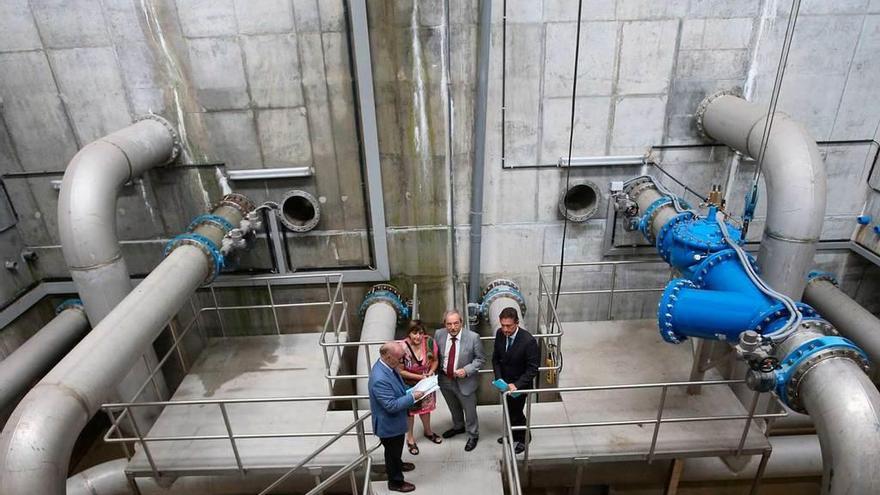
x=389, y=402
x=515, y=360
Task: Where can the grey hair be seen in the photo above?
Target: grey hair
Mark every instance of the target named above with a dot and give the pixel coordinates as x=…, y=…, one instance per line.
x=451, y=312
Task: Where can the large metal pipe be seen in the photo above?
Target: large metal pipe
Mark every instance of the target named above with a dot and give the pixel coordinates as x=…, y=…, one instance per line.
x=795, y=456
x=87, y=226
x=109, y=479
x=38, y=354
x=36, y=443
x=848, y=317
x=383, y=306
x=845, y=407
x=795, y=177
x=476, y=216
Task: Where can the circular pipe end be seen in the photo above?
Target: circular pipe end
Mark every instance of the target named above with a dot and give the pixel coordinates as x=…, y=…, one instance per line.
x=501, y=287
x=390, y=295
x=300, y=211
x=580, y=202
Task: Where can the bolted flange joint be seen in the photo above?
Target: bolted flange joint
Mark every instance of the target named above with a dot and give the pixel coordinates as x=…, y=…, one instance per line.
x=807, y=355
x=501, y=288
x=211, y=251
x=175, y=137
x=816, y=275
x=215, y=220
x=238, y=201
x=74, y=303
x=386, y=294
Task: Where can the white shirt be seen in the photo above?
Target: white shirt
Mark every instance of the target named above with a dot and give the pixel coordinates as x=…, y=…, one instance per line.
x=446, y=351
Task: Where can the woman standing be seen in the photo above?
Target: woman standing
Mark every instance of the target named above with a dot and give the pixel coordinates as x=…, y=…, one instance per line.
x=419, y=361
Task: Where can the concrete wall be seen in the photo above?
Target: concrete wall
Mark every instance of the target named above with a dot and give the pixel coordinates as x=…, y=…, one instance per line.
x=268, y=83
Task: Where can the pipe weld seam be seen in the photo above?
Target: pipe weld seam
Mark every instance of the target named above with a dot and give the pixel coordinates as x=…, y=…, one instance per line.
x=86, y=268
x=67, y=390
x=127, y=159
x=780, y=237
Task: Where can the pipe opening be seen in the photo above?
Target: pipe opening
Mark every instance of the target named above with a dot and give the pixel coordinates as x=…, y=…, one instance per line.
x=580, y=202
x=300, y=211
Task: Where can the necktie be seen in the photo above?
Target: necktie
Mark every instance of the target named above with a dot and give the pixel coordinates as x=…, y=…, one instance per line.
x=507, y=348
x=450, y=363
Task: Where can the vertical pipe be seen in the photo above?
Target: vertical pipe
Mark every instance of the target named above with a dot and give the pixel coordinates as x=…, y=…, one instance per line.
x=476, y=216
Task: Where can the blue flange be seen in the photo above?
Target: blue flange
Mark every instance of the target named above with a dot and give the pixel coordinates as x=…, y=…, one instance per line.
x=863, y=219
x=202, y=242
x=388, y=296
x=502, y=289
x=647, y=216
x=791, y=364
x=666, y=310
x=69, y=304
x=217, y=220
x=820, y=275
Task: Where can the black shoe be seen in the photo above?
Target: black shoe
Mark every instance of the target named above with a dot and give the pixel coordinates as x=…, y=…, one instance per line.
x=452, y=432
x=403, y=486
x=471, y=444
x=519, y=448
x=407, y=467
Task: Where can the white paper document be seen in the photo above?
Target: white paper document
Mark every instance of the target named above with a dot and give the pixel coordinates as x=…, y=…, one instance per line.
x=426, y=385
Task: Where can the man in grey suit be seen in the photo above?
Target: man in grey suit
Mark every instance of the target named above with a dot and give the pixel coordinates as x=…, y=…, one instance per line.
x=461, y=357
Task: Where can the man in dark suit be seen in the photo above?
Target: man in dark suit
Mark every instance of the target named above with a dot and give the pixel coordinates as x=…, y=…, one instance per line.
x=389, y=402
x=461, y=357
x=515, y=360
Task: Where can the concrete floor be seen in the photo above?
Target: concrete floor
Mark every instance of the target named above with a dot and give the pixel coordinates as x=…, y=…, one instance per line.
x=597, y=353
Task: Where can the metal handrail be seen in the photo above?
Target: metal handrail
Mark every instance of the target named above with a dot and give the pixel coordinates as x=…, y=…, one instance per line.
x=509, y=455
x=350, y=467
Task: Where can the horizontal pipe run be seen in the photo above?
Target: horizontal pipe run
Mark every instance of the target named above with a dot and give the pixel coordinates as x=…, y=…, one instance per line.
x=848, y=317
x=33, y=359
x=270, y=173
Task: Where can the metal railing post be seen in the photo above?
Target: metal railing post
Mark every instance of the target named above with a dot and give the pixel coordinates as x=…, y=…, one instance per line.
x=231, y=437
x=274, y=309
x=742, y=440
x=657, y=424
x=140, y=437
x=152, y=379
x=217, y=310
x=528, y=432
x=361, y=433
x=171, y=327
x=611, y=293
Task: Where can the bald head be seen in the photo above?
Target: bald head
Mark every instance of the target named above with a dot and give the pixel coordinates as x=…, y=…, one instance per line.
x=391, y=353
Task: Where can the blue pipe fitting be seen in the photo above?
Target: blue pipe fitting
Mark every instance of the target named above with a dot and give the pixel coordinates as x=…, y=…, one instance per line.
x=820, y=275
x=207, y=246
x=216, y=220
x=876, y=229
x=501, y=288
x=387, y=294
x=74, y=303
x=648, y=215
x=796, y=364
x=863, y=219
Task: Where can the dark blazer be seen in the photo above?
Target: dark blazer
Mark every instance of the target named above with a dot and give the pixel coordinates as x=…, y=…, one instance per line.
x=519, y=364
x=389, y=401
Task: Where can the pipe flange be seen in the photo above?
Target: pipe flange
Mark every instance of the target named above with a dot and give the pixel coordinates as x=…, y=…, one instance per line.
x=819, y=275
x=707, y=265
x=764, y=322
x=211, y=251
x=580, y=213
x=386, y=294
x=176, y=145
x=666, y=308
x=501, y=288
x=74, y=303
x=647, y=219
x=300, y=211
x=664, y=249
x=794, y=367
x=238, y=201
x=215, y=220
x=638, y=186
x=704, y=105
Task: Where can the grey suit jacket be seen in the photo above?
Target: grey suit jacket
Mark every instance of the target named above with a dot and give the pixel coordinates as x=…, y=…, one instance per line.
x=470, y=357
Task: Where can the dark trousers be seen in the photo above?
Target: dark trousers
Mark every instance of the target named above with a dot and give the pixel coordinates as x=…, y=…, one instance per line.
x=393, y=461
x=515, y=406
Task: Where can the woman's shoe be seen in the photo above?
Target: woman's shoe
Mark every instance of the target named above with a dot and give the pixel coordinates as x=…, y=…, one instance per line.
x=413, y=448
x=434, y=438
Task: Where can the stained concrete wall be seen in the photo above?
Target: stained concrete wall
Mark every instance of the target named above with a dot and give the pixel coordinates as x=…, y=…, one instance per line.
x=269, y=83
